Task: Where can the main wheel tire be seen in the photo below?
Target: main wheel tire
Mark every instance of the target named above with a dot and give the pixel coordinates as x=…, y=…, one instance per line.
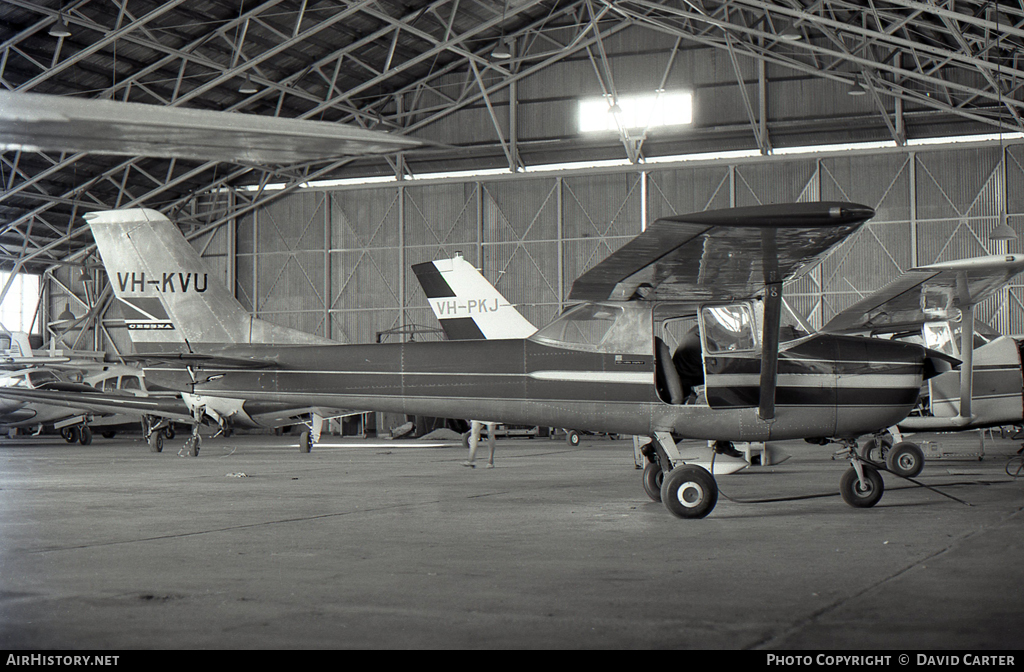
x=169, y=432
x=70, y=434
x=875, y=448
x=305, y=442
x=1015, y=467
x=689, y=491
x=905, y=459
x=109, y=434
x=653, y=478
x=156, y=442
x=856, y=495
x=192, y=446
x=572, y=437
x=85, y=436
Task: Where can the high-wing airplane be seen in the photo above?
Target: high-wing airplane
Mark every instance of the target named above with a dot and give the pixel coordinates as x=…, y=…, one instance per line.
x=469, y=307
x=116, y=395
x=25, y=403
x=987, y=388
x=605, y=364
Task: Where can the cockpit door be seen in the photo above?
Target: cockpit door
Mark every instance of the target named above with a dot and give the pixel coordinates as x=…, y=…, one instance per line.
x=732, y=355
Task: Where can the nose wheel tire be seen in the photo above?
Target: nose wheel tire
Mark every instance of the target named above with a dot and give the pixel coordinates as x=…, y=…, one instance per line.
x=653, y=478
x=905, y=459
x=861, y=495
x=689, y=491
x=305, y=442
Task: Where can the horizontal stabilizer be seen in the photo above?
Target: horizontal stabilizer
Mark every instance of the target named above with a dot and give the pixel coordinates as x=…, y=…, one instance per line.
x=933, y=293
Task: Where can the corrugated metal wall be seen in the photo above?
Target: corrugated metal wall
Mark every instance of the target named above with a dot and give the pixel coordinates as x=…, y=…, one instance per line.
x=336, y=262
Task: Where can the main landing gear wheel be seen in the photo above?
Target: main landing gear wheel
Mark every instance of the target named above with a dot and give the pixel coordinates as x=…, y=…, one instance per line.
x=876, y=448
x=905, y=459
x=70, y=434
x=860, y=495
x=156, y=441
x=85, y=436
x=572, y=437
x=305, y=442
x=689, y=491
x=653, y=478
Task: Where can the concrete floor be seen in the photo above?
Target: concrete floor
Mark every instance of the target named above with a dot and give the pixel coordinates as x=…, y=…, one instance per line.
x=395, y=545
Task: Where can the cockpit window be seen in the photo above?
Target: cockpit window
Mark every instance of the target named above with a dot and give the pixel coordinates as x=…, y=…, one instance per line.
x=130, y=383
x=586, y=325
x=945, y=336
x=41, y=377
x=728, y=328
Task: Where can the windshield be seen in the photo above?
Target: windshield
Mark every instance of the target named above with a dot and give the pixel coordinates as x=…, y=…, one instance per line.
x=41, y=377
x=940, y=336
x=597, y=327
x=586, y=325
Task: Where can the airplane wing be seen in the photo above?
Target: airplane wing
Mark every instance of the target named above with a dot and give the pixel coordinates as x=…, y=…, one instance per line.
x=721, y=255
x=928, y=294
x=168, y=406
x=35, y=122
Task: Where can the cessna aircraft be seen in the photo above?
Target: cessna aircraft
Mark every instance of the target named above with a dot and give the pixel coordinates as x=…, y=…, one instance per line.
x=605, y=364
x=985, y=390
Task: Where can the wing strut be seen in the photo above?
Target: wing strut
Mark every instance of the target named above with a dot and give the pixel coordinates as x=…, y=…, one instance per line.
x=772, y=320
x=967, y=360
x=770, y=350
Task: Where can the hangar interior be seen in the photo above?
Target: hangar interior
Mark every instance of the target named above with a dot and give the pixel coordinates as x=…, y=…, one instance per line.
x=910, y=107
x=509, y=179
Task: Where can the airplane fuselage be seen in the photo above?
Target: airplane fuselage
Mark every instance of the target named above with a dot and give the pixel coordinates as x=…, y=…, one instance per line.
x=829, y=386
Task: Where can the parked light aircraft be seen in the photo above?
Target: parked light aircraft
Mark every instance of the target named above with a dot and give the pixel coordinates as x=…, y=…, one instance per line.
x=604, y=364
x=469, y=307
x=21, y=409
x=204, y=311
x=115, y=395
x=985, y=390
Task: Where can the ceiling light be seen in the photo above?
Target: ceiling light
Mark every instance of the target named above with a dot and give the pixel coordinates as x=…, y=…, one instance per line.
x=791, y=34
x=59, y=29
x=66, y=315
x=501, y=50
x=247, y=86
x=856, y=89
x=1002, y=232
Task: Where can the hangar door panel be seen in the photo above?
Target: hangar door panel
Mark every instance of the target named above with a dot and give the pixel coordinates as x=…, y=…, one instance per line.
x=600, y=213
x=520, y=244
x=365, y=276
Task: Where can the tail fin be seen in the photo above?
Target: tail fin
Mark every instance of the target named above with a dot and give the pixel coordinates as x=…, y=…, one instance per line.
x=466, y=305
x=170, y=302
